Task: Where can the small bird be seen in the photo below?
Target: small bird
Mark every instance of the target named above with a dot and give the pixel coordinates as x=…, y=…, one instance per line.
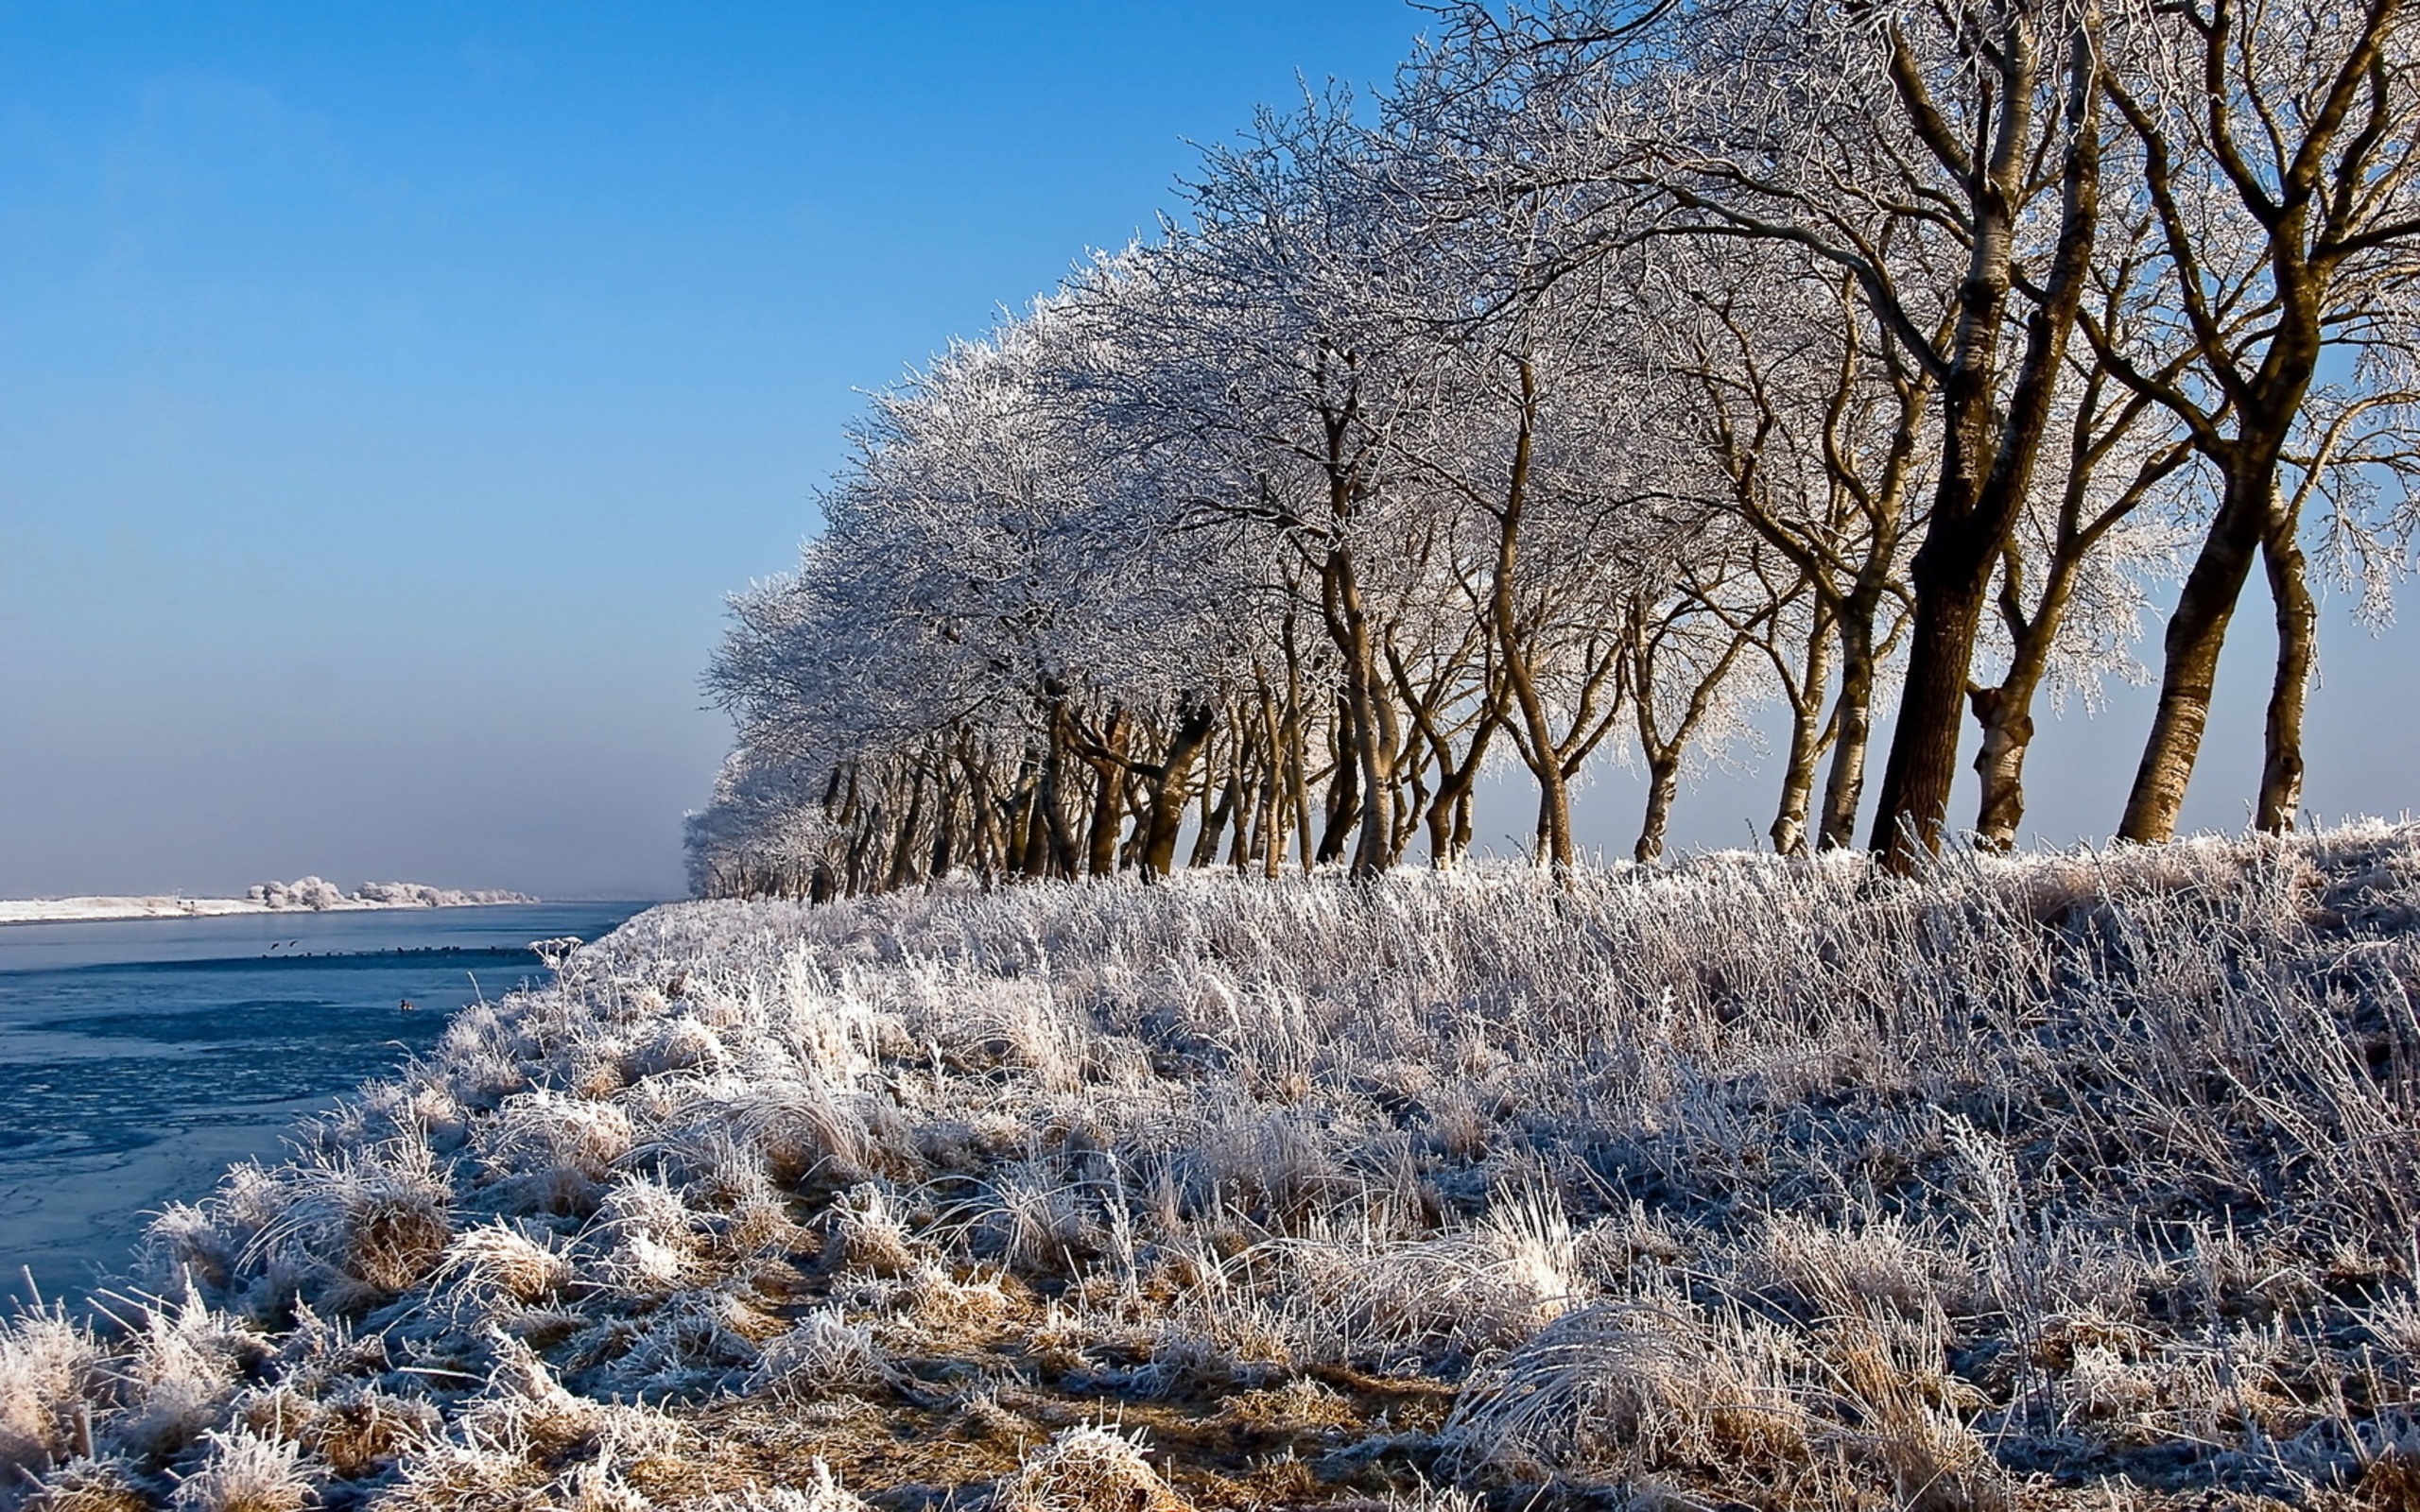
x=407, y=1006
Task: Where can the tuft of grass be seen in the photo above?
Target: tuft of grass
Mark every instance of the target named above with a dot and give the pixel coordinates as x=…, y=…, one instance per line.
x=245, y=1472
x=1088, y=1469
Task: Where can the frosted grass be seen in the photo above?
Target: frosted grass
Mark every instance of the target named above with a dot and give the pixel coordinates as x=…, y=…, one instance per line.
x=2074, y=1177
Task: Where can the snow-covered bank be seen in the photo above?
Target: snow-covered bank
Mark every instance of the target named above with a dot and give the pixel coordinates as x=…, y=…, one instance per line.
x=2070, y=1181
x=310, y=894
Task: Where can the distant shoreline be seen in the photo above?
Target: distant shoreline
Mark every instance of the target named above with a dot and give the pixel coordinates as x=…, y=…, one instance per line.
x=89, y=910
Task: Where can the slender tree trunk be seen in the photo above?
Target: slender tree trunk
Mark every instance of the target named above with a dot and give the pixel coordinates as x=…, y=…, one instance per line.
x=1370, y=739
x=1853, y=722
x=1215, y=820
x=1663, y=788
x=2006, y=713
x=1449, y=841
x=2281, y=766
x=903, y=851
x=1032, y=836
x=2006, y=716
x=1294, y=760
x=1244, y=791
x=1298, y=803
x=944, y=830
x=1788, y=829
x=984, y=818
x=1100, y=837
x=1172, y=790
x=1440, y=821
x=1542, y=751
x=862, y=854
x=2195, y=633
x=1343, y=798
x=1554, y=822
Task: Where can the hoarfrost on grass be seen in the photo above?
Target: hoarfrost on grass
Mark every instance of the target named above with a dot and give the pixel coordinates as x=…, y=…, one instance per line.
x=1785, y=1182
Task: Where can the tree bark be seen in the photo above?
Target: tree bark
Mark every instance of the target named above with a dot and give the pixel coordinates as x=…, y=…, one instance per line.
x=2006, y=713
x=2195, y=633
x=1343, y=795
x=1109, y=805
x=1171, y=788
x=1663, y=788
x=1370, y=738
x=1788, y=829
x=944, y=830
x=903, y=851
x=1853, y=714
x=2281, y=766
x=1924, y=750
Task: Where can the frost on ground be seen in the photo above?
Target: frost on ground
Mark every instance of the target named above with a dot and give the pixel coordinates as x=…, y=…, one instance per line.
x=2074, y=1180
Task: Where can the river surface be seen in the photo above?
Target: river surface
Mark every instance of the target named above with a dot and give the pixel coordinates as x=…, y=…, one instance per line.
x=140, y=1057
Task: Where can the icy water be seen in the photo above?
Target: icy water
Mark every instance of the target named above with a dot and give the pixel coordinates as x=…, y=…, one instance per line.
x=140, y=1057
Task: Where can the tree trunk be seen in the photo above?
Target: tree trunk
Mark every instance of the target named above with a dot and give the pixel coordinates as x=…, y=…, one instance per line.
x=1449, y=815
x=2281, y=766
x=903, y=851
x=861, y=849
x=2195, y=633
x=2006, y=713
x=1924, y=751
x=1344, y=800
x=1852, y=720
x=1663, y=788
x=1108, y=806
x=1172, y=790
x=1788, y=829
x=1543, y=753
x=1554, y=819
x=944, y=830
x=1244, y=794
x=2006, y=716
x=1215, y=820
x=1369, y=737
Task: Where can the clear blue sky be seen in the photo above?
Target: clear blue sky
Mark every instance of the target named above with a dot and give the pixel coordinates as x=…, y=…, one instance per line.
x=388, y=394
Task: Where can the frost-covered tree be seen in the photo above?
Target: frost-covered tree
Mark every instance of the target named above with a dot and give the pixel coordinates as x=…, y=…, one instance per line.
x=2279, y=145
x=1622, y=373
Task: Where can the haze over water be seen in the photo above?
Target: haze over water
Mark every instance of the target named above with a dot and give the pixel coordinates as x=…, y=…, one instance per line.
x=143, y=1056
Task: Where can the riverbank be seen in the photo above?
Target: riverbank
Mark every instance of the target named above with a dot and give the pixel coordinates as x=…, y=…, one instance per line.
x=307, y=895
x=2070, y=1181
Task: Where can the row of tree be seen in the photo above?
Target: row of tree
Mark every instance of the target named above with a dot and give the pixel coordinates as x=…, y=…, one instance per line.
x=1628, y=369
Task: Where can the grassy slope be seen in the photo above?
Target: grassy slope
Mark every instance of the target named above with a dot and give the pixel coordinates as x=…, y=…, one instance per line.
x=2086, y=1181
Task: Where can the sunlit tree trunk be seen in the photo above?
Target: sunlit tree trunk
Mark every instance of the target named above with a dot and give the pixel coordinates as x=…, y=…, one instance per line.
x=2281, y=767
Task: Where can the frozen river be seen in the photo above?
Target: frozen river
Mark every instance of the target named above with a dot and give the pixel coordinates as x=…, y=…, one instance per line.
x=138, y=1058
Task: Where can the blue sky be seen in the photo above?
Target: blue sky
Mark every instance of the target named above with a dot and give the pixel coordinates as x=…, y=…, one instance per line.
x=388, y=394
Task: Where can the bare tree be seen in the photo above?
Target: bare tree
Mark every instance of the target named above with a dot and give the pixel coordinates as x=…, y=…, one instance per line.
x=2278, y=163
